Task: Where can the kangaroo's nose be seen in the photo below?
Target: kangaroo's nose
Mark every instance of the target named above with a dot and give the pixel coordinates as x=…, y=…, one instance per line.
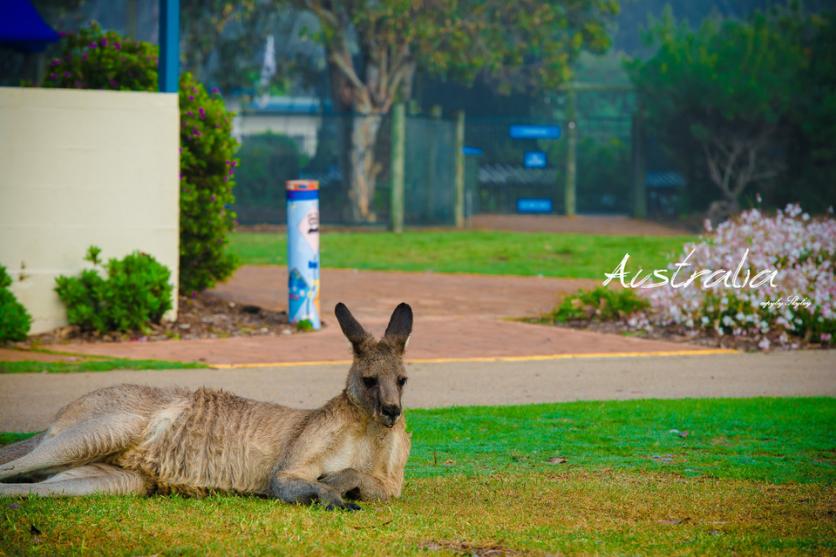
x=392, y=410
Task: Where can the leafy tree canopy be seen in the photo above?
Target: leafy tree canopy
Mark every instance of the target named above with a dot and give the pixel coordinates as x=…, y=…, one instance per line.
x=519, y=45
x=726, y=88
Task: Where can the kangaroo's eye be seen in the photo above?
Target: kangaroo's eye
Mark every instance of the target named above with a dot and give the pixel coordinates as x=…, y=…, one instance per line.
x=370, y=382
x=401, y=381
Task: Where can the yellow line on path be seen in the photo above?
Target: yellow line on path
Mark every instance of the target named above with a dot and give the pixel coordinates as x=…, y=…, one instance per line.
x=539, y=358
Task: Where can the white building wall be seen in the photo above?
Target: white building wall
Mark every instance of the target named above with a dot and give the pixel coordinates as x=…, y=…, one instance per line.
x=302, y=128
x=81, y=168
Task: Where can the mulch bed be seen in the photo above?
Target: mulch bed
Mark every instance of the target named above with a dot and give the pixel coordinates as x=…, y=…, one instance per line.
x=201, y=316
x=677, y=334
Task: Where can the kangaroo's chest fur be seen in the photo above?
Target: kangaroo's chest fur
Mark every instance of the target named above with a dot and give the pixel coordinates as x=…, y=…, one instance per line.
x=369, y=448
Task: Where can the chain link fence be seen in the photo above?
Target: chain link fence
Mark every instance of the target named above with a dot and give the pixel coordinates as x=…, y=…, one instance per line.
x=512, y=164
x=279, y=147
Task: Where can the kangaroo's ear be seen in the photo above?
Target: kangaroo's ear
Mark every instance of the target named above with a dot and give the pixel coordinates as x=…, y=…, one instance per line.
x=352, y=329
x=400, y=327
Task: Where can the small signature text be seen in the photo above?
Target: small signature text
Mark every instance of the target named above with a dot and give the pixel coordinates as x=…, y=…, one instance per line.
x=794, y=302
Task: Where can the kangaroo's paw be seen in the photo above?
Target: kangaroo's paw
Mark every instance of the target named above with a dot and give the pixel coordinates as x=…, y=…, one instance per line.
x=349, y=506
x=331, y=499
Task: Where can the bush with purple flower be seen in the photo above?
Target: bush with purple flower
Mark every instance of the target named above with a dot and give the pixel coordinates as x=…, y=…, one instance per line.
x=796, y=308
x=102, y=60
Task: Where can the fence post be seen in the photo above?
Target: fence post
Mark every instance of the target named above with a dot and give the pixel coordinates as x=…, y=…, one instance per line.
x=397, y=168
x=432, y=163
x=169, y=57
x=637, y=139
x=571, y=148
x=131, y=26
x=459, y=176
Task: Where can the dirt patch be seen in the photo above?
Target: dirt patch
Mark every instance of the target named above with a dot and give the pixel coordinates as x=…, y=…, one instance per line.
x=198, y=317
x=615, y=225
x=465, y=548
x=17, y=355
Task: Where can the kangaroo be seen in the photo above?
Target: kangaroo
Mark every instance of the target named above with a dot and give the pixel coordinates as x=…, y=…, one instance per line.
x=132, y=439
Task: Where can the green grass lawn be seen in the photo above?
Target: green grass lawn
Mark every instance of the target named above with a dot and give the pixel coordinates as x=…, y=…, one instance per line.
x=713, y=476
x=97, y=364
x=484, y=252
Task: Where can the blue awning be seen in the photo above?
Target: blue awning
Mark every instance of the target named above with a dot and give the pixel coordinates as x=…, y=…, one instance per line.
x=23, y=28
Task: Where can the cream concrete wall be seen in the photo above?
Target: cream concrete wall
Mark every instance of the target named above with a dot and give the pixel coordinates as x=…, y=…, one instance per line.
x=79, y=168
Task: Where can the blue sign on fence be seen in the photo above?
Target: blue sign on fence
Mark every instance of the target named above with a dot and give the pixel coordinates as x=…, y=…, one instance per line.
x=534, y=132
x=535, y=159
x=472, y=151
x=534, y=205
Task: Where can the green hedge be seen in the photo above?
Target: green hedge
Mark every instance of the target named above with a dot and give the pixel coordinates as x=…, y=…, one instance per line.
x=14, y=319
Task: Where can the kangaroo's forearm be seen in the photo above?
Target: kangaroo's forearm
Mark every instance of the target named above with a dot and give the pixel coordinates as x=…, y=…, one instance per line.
x=294, y=489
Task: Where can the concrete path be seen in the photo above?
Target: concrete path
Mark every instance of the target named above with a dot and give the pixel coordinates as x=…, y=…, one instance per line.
x=28, y=401
x=458, y=316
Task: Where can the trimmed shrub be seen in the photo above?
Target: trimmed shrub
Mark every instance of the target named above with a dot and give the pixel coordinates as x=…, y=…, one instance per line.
x=799, y=305
x=135, y=293
x=94, y=59
x=598, y=304
x=14, y=319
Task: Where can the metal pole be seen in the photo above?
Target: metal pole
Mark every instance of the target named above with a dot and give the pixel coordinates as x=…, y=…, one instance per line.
x=429, y=186
x=571, y=147
x=397, y=168
x=169, y=58
x=459, y=176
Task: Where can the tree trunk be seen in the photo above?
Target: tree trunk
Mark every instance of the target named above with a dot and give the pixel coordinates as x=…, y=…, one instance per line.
x=362, y=168
x=383, y=69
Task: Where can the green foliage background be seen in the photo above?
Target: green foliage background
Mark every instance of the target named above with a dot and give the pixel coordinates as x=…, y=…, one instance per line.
x=772, y=74
x=14, y=319
x=265, y=160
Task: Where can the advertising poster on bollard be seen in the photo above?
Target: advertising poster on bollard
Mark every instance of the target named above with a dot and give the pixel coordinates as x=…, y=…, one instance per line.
x=303, y=252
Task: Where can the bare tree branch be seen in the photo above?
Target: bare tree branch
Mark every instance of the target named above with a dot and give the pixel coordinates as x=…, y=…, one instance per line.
x=325, y=16
x=346, y=67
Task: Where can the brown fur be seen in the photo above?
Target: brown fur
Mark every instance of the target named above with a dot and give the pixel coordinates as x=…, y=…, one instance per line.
x=136, y=439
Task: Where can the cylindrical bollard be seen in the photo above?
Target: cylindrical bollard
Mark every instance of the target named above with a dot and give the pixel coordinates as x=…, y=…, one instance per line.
x=303, y=251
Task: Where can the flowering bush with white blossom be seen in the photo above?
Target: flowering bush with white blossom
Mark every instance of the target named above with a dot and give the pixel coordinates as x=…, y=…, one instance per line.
x=797, y=305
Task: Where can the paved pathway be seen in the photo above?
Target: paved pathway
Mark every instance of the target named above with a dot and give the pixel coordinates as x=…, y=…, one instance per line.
x=457, y=316
x=28, y=401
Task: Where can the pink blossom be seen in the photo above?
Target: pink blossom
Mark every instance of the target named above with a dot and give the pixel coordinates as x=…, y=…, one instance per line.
x=800, y=248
